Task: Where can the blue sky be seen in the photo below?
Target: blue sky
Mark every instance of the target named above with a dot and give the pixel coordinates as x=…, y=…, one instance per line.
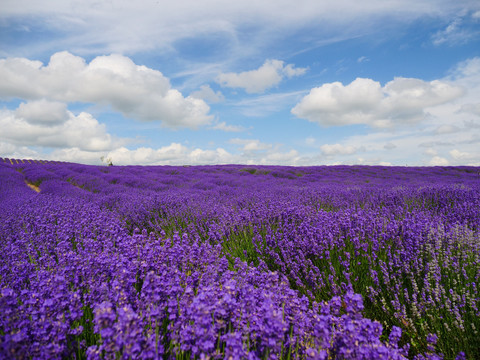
x=215, y=82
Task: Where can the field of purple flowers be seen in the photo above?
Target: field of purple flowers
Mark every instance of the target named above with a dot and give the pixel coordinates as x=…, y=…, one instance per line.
x=238, y=262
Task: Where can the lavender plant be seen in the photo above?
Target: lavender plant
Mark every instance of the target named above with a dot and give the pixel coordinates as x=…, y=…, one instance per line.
x=234, y=262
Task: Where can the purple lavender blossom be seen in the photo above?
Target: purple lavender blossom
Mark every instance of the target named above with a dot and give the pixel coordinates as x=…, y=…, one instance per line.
x=234, y=262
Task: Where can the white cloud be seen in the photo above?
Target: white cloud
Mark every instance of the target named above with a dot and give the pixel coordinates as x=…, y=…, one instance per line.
x=217, y=156
x=76, y=155
x=447, y=129
x=206, y=93
x=173, y=154
x=261, y=79
x=114, y=80
x=438, y=161
x=416, y=146
x=29, y=125
x=176, y=154
x=431, y=152
x=458, y=32
x=121, y=26
x=429, y=142
x=432, y=142
x=471, y=108
x=291, y=157
x=450, y=34
x=12, y=151
x=291, y=71
x=465, y=158
x=250, y=144
x=265, y=105
x=43, y=112
x=467, y=72
x=337, y=149
x=471, y=125
x=459, y=155
x=223, y=126
x=365, y=101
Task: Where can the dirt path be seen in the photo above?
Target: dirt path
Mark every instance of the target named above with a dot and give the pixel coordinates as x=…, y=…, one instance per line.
x=33, y=186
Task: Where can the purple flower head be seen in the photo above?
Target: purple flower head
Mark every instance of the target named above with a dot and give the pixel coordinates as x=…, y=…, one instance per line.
x=315, y=354
x=353, y=304
x=145, y=262
x=431, y=342
x=234, y=346
x=395, y=335
x=432, y=339
x=335, y=305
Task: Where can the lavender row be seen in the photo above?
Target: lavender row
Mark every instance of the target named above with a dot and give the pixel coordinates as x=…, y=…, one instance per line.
x=264, y=262
x=84, y=286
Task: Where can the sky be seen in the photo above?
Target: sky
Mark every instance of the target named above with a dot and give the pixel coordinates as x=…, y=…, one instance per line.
x=305, y=82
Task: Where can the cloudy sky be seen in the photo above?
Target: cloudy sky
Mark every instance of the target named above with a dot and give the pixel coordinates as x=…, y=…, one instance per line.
x=303, y=82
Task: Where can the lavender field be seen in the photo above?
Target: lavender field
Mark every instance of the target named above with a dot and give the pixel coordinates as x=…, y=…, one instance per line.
x=238, y=262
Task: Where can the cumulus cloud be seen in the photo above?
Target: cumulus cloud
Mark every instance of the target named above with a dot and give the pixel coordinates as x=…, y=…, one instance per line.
x=217, y=156
x=30, y=125
x=172, y=154
x=257, y=81
x=430, y=152
x=206, y=93
x=459, y=155
x=43, y=112
x=177, y=154
x=365, y=101
x=143, y=155
x=12, y=151
x=438, y=161
x=465, y=158
x=291, y=157
x=115, y=80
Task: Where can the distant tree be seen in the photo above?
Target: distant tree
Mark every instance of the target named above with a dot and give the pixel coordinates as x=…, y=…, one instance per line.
x=107, y=161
